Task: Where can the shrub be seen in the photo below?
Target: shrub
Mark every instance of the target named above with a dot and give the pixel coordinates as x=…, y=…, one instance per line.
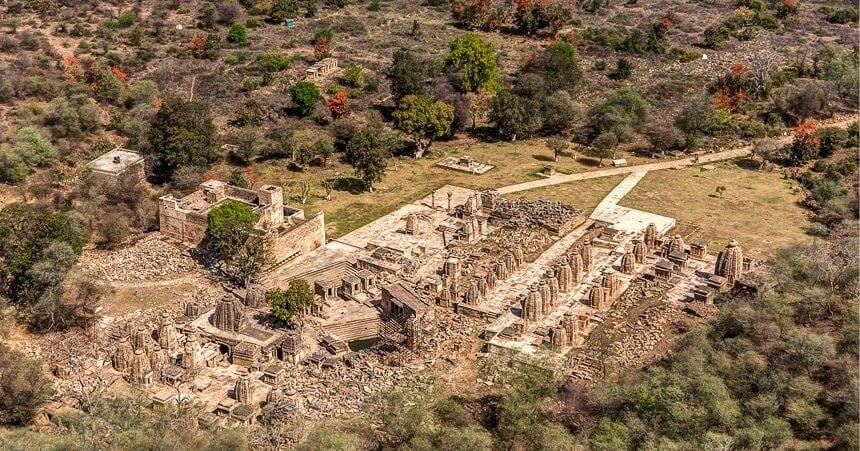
x=623, y=69
x=114, y=229
x=353, y=76
x=665, y=137
x=305, y=96
x=126, y=19
x=24, y=388
x=623, y=112
x=832, y=139
x=236, y=34
x=283, y=9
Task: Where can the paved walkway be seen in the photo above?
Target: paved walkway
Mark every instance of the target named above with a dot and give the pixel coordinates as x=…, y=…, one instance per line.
x=672, y=164
x=557, y=179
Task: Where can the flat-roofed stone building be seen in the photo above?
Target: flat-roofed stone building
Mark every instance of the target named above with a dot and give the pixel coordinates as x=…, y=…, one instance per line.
x=292, y=234
x=118, y=164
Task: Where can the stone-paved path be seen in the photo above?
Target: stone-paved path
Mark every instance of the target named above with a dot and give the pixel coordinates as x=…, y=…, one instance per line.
x=672, y=164
x=557, y=179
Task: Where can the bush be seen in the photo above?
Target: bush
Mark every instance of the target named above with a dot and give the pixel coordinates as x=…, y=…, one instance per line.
x=236, y=34
x=832, y=139
x=666, y=137
x=305, y=96
x=126, y=19
x=24, y=388
x=353, y=76
x=114, y=230
x=624, y=112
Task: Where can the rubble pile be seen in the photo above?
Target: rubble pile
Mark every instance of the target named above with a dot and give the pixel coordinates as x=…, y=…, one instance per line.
x=151, y=258
x=552, y=215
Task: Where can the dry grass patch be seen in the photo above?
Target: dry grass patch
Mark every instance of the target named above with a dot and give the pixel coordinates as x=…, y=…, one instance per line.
x=760, y=209
x=408, y=179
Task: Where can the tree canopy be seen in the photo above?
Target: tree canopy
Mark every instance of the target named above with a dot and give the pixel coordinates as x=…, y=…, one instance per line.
x=290, y=305
x=423, y=120
x=182, y=134
x=475, y=60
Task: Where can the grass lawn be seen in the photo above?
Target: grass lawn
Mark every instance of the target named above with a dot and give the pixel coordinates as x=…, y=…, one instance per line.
x=759, y=209
x=408, y=179
x=584, y=194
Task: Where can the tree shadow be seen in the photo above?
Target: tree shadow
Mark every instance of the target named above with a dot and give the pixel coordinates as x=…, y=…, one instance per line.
x=351, y=185
x=545, y=158
x=589, y=161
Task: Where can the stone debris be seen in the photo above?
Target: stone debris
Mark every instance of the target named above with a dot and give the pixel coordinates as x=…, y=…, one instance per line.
x=150, y=258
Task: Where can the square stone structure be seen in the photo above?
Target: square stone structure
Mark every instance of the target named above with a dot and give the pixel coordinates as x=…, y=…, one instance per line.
x=292, y=234
x=118, y=164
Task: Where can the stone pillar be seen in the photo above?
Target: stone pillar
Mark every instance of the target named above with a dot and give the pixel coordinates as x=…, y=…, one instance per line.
x=449, y=200
x=559, y=337
x=452, y=269
x=482, y=286
x=569, y=323
x=535, y=302
x=255, y=296
x=412, y=224
x=433, y=199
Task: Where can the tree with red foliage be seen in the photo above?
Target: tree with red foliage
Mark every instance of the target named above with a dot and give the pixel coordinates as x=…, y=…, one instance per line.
x=731, y=88
x=322, y=48
x=338, y=103
x=807, y=142
x=196, y=45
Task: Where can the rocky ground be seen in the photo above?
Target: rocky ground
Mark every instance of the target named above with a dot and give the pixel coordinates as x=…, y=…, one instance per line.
x=150, y=258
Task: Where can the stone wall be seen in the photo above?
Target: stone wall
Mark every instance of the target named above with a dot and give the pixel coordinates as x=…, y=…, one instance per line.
x=186, y=227
x=299, y=240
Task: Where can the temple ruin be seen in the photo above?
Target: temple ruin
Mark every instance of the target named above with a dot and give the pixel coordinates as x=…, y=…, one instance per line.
x=291, y=234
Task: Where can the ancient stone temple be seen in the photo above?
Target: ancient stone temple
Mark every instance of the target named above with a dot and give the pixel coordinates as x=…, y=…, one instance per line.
x=676, y=244
x=158, y=360
x=255, y=296
x=577, y=268
x=596, y=297
x=730, y=262
x=123, y=355
x=139, y=338
x=585, y=253
x=167, y=335
x=558, y=337
x=651, y=236
x=243, y=390
x=628, y=263
x=640, y=251
x=569, y=323
x=411, y=224
x=191, y=352
x=228, y=314
x=140, y=370
x=611, y=285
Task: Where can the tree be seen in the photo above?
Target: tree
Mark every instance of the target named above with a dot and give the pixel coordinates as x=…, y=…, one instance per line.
x=324, y=149
x=283, y=9
x=182, y=134
x=475, y=60
x=558, y=145
x=559, y=112
x=515, y=116
x=248, y=147
x=558, y=67
x=480, y=104
x=623, y=113
x=423, y=120
x=368, y=153
x=24, y=388
x=604, y=145
x=291, y=304
x=305, y=96
x=338, y=103
x=231, y=237
x=407, y=74
x=229, y=225
x=237, y=34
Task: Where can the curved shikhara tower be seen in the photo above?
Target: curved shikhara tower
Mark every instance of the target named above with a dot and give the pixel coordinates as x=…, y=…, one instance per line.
x=730, y=262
